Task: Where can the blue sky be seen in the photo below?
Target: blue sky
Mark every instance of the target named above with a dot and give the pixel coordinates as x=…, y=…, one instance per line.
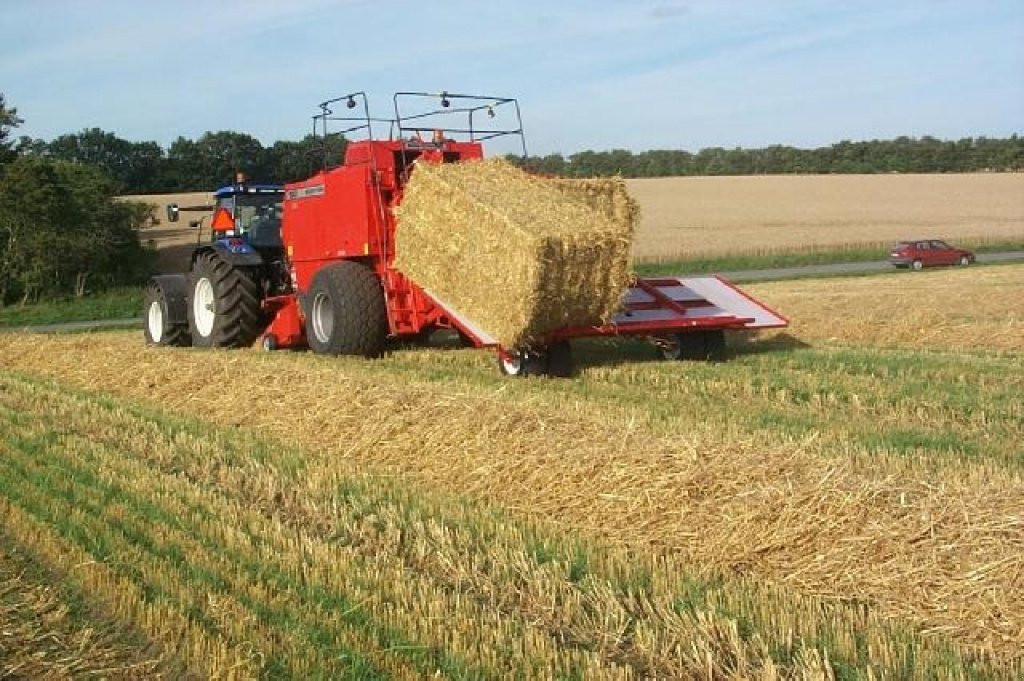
x=589, y=75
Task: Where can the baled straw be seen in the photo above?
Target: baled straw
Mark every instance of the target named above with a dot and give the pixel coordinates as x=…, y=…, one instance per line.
x=519, y=255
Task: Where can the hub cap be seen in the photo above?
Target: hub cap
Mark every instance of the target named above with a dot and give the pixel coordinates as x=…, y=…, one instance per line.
x=323, y=318
x=155, y=321
x=202, y=307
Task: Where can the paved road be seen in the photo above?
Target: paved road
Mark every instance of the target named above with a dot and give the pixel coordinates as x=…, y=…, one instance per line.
x=845, y=268
x=740, y=276
x=76, y=326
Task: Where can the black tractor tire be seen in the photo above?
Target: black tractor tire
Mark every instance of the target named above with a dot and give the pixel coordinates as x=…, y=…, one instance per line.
x=224, y=306
x=345, y=311
x=158, y=327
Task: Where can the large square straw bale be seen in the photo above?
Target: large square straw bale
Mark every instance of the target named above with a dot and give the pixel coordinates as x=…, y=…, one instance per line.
x=519, y=255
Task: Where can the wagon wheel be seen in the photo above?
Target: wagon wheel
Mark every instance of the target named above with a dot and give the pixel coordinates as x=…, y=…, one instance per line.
x=522, y=363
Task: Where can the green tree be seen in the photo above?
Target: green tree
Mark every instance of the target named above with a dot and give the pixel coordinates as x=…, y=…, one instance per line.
x=8, y=121
x=61, y=230
x=134, y=166
x=214, y=159
x=293, y=161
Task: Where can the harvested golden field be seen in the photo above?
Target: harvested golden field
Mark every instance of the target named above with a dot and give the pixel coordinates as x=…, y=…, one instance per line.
x=829, y=502
x=953, y=310
x=699, y=216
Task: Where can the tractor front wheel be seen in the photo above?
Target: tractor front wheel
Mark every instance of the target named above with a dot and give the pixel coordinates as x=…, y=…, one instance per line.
x=160, y=329
x=345, y=311
x=224, y=303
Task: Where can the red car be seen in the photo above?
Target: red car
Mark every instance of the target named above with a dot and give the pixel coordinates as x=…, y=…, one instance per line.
x=927, y=252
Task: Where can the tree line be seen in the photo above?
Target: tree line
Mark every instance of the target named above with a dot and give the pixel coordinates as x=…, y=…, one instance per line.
x=62, y=231
x=189, y=165
x=213, y=159
x=901, y=155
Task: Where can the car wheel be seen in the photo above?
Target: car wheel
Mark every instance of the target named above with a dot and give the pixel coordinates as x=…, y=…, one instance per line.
x=916, y=265
x=964, y=261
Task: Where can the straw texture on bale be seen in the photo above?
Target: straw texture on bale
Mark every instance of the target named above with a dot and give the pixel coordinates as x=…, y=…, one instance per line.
x=519, y=255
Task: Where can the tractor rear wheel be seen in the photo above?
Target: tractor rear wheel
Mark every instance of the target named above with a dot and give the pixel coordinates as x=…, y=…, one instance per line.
x=224, y=303
x=345, y=311
x=159, y=329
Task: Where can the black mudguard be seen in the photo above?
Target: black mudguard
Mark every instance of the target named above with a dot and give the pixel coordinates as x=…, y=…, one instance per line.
x=175, y=291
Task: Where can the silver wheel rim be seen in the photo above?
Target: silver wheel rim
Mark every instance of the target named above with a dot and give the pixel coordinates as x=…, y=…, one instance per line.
x=964, y=260
x=512, y=364
x=155, y=321
x=202, y=307
x=917, y=264
x=323, y=318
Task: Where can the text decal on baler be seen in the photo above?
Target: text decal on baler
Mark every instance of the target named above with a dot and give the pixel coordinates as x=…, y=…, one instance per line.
x=305, y=192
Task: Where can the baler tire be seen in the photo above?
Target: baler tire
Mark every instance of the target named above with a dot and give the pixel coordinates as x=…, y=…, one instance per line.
x=238, y=318
x=158, y=327
x=345, y=311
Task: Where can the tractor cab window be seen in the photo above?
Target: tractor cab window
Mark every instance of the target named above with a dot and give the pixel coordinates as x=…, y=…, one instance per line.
x=259, y=217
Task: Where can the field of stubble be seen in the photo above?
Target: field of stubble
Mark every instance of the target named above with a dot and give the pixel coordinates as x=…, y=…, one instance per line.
x=841, y=500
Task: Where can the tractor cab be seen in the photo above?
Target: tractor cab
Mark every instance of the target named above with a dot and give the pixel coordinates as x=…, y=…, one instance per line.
x=251, y=212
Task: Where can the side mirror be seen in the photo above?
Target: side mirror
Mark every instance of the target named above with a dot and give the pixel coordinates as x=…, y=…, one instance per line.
x=172, y=212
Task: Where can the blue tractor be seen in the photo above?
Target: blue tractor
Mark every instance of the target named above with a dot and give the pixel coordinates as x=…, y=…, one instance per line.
x=218, y=302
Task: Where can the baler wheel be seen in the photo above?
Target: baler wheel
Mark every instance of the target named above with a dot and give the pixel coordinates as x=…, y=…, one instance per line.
x=159, y=329
x=224, y=303
x=345, y=311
